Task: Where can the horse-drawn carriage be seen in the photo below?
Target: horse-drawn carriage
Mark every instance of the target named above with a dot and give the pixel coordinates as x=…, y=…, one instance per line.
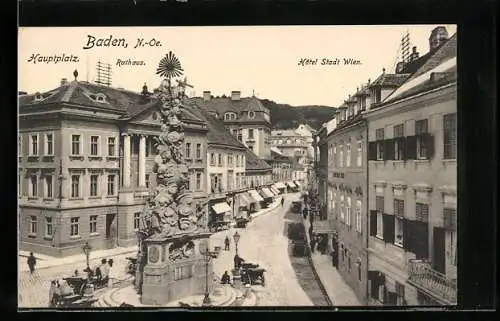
x=252, y=274
x=241, y=222
x=79, y=295
x=297, y=207
x=216, y=226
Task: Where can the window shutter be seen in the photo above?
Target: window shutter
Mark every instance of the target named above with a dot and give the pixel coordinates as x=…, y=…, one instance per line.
x=429, y=143
x=407, y=235
x=421, y=240
x=388, y=221
x=373, y=223
x=410, y=147
x=389, y=149
x=372, y=151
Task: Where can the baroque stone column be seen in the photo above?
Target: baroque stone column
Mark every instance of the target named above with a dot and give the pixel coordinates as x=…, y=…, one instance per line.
x=126, y=161
x=142, y=161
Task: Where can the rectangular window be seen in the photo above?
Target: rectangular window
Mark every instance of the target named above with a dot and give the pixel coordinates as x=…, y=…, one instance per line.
x=421, y=128
x=93, y=223
x=399, y=207
x=188, y=181
x=183, y=272
x=235, y=131
x=399, y=134
x=198, y=181
x=147, y=181
x=348, y=156
x=34, y=145
x=342, y=207
x=75, y=186
x=240, y=135
x=359, y=155
x=398, y=231
x=379, y=204
x=49, y=227
x=34, y=186
x=219, y=160
x=379, y=135
x=230, y=159
x=198, y=151
x=33, y=224
x=250, y=134
x=348, y=212
x=212, y=159
x=358, y=216
x=48, y=187
x=341, y=156
x=75, y=144
x=422, y=212
x=380, y=225
x=93, y=185
x=111, y=146
x=111, y=185
x=449, y=218
x=400, y=293
x=49, y=144
x=450, y=136
x=188, y=151
x=94, y=145
x=137, y=220
x=19, y=145
x=75, y=226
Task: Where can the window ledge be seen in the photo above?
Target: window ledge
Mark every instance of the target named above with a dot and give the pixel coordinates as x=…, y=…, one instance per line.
x=47, y=238
x=76, y=198
x=48, y=156
x=32, y=198
x=32, y=235
x=398, y=245
x=380, y=237
x=95, y=197
x=111, y=196
x=33, y=156
x=48, y=199
x=422, y=161
x=112, y=157
x=75, y=157
x=75, y=237
x=95, y=234
x=449, y=161
x=95, y=157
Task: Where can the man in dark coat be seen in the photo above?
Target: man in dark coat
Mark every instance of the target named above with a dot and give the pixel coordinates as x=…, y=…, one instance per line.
x=31, y=262
x=227, y=242
x=237, y=261
x=282, y=201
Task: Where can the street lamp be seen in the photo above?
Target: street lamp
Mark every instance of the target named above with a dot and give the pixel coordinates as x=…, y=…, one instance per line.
x=236, y=238
x=86, y=249
x=207, y=257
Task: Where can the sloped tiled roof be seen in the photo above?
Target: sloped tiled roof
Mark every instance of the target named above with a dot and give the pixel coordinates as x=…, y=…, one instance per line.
x=217, y=133
x=254, y=163
x=223, y=105
x=284, y=133
x=358, y=118
x=390, y=80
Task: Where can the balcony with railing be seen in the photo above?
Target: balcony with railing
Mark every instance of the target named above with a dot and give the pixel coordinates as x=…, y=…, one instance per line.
x=437, y=285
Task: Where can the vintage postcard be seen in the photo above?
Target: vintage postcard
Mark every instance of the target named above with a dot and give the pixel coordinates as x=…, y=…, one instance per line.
x=261, y=166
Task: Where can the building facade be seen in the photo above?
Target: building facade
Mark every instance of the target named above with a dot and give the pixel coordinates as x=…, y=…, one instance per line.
x=412, y=186
x=281, y=166
x=245, y=118
x=85, y=162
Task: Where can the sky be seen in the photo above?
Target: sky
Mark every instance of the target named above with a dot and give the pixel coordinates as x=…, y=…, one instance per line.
x=260, y=60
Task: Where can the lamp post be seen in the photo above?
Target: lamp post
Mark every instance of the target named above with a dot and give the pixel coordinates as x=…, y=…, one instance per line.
x=86, y=249
x=207, y=257
x=236, y=238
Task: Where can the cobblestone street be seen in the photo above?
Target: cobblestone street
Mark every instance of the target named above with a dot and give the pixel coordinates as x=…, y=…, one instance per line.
x=33, y=289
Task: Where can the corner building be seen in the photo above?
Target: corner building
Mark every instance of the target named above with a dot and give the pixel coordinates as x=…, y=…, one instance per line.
x=412, y=187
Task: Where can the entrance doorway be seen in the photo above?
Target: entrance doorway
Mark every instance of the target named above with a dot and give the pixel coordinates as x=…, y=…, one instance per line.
x=111, y=230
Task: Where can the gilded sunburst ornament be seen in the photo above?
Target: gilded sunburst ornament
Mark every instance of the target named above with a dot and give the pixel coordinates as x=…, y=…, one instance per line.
x=169, y=67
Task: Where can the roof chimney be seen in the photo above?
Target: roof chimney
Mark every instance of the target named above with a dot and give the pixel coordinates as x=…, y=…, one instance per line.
x=438, y=36
x=414, y=54
x=399, y=67
x=235, y=95
x=145, y=89
x=64, y=82
x=383, y=70
x=206, y=95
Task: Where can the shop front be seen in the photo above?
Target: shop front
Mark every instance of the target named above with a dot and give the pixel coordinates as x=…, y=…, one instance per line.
x=291, y=187
x=281, y=187
x=220, y=216
x=274, y=189
x=267, y=196
x=257, y=199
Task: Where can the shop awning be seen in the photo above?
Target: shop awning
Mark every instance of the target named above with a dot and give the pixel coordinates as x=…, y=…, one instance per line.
x=222, y=207
x=255, y=195
x=291, y=184
x=297, y=183
x=244, y=200
x=280, y=185
x=265, y=192
x=275, y=190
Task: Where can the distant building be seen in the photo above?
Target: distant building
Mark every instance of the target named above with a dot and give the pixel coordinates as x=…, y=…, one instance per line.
x=245, y=118
x=85, y=162
x=281, y=166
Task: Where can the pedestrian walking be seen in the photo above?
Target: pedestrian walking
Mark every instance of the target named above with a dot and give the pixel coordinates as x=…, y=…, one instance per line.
x=111, y=273
x=282, y=201
x=227, y=242
x=52, y=292
x=31, y=262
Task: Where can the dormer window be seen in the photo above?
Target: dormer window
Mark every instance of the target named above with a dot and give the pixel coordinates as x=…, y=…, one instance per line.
x=38, y=97
x=214, y=115
x=230, y=116
x=251, y=115
x=101, y=98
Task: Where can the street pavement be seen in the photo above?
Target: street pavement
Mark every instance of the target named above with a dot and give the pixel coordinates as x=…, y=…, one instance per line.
x=33, y=289
x=264, y=241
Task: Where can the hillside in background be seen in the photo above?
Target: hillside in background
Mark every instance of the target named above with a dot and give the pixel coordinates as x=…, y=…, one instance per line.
x=284, y=116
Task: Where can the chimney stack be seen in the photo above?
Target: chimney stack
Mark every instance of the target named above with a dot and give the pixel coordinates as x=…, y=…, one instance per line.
x=414, y=54
x=206, y=95
x=64, y=82
x=235, y=95
x=438, y=36
x=399, y=67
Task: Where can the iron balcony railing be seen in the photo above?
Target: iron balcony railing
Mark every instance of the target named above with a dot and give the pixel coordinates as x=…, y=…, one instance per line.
x=423, y=276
